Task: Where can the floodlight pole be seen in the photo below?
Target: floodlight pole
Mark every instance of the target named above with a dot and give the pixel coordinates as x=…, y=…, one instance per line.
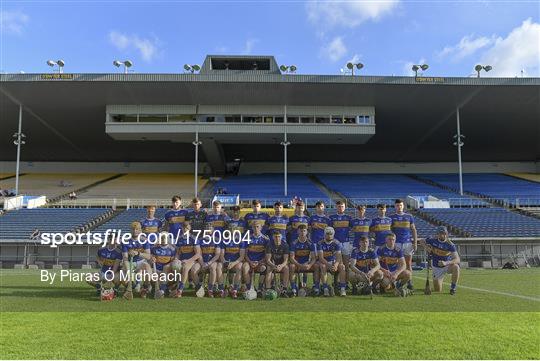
x=459, y=143
x=19, y=141
x=196, y=143
x=285, y=144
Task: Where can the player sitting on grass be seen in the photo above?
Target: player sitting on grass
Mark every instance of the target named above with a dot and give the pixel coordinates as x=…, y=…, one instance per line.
x=209, y=262
x=317, y=223
x=405, y=231
x=163, y=255
x=278, y=222
x=151, y=226
x=303, y=258
x=108, y=259
x=380, y=226
x=233, y=252
x=444, y=259
x=393, y=267
x=277, y=258
x=255, y=255
x=188, y=253
x=256, y=217
x=139, y=252
x=364, y=267
x=330, y=261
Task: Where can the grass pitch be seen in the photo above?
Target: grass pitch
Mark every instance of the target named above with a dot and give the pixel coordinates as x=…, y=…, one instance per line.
x=495, y=315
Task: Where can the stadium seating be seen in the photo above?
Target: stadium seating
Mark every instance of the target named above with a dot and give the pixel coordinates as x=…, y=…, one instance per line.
x=371, y=189
x=496, y=186
x=269, y=188
x=145, y=186
x=424, y=229
x=123, y=220
x=20, y=224
x=488, y=222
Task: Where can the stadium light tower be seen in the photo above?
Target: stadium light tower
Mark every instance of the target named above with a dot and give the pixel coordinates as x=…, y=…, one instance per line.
x=126, y=63
x=417, y=67
x=191, y=68
x=351, y=67
x=288, y=69
x=19, y=140
x=60, y=64
x=196, y=143
x=478, y=68
x=459, y=143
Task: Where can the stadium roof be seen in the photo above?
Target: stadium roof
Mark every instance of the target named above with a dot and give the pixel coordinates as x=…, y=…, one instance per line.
x=64, y=117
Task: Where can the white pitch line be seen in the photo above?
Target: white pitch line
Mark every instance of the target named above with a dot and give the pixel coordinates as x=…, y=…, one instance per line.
x=491, y=291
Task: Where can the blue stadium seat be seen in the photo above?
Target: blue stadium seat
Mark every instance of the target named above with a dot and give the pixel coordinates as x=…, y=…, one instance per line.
x=123, y=220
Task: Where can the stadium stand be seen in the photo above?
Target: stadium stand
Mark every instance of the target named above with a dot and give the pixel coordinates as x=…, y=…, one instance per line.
x=123, y=220
x=269, y=188
x=506, y=189
x=527, y=176
x=371, y=189
x=147, y=186
x=52, y=184
x=20, y=224
x=487, y=222
x=424, y=228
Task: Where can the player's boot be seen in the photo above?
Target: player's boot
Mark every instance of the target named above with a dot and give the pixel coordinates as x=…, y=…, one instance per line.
x=177, y=294
x=326, y=292
x=452, y=291
x=144, y=292
x=223, y=294
x=343, y=292
x=234, y=294
x=210, y=293
x=354, y=289
x=293, y=292
x=410, y=286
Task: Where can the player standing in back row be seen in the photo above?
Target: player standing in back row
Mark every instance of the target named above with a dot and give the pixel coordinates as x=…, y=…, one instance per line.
x=380, y=226
x=406, y=237
x=341, y=222
x=175, y=218
x=318, y=223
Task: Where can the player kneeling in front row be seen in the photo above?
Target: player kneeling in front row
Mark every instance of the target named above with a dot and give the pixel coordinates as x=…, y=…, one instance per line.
x=232, y=257
x=364, y=268
x=163, y=255
x=303, y=258
x=108, y=259
x=393, y=267
x=188, y=253
x=277, y=258
x=330, y=261
x=137, y=252
x=444, y=259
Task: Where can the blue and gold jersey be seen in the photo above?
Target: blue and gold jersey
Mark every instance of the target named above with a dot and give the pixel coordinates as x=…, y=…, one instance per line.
x=277, y=223
x=294, y=222
x=237, y=225
x=231, y=250
x=208, y=251
x=186, y=248
x=364, y=260
x=108, y=258
x=256, y=248
x=360, y=228
x=163, y=255
x=389, y=258
x=175, y=219
x=318, y=224
x=301, y=250
x=381, y=227
x=151, y=226
x=256, y=218
x=401, y=226
x=342, y=225
x=440, y=251
x=218, y=221
x=329, y=250
x=135, y=245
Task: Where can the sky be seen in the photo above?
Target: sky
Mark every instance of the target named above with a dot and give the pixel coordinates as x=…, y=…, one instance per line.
x=319, y=37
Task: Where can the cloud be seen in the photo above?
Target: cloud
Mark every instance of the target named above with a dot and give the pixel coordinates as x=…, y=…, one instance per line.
x=148, y=48
x=348, y=13
x=335, y=50
x=520, y=50
x=468, y=45
x=407, y=67
x=13, y=21
x=248, y=47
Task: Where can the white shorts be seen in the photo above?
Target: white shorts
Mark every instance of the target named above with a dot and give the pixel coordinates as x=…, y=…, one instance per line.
x=346, y=248
x=439, y=272
x=406, y=248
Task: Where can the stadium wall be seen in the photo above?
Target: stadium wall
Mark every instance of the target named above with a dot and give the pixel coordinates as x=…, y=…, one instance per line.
x=273, y=167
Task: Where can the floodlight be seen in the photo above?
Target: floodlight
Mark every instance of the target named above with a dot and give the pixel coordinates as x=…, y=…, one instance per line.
x=187, y=67
x=350, y=65
x=293, y=68
x=283, y=68
x=478, y=67
x=424, y=66
x=488, y=67
x=128, y=63
x=196, y=67
x=60, y=63
x=51, y=63
x=117, y=63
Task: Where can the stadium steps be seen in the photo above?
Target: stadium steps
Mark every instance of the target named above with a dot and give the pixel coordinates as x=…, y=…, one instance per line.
x=113, y=214
x=83, y=189
x=11, y=176
x=93, y=223
x=335, y=196
x=432, y=220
